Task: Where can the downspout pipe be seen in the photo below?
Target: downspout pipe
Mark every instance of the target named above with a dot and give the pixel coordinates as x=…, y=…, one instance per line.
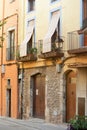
x=22, y=104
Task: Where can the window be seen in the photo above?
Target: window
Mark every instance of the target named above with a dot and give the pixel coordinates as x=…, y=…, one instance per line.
x=53, y=0
x=53, y=33
x=11, y=49
x=56, y=39
x=8, y=82
x=85, y=21
x=12, y=1
x=56, y=34
x=31, y=5
x=31, y=42
x=84, y=9
x=83, y=29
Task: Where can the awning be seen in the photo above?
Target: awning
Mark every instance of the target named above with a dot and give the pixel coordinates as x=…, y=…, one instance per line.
x=51, y=30
x=23, y=46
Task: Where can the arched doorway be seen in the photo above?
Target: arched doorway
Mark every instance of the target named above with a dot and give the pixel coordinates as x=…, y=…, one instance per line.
x=70, y=95
x=39, y=96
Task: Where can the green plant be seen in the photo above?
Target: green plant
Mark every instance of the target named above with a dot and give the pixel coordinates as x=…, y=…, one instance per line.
x=2, y=35
x=53, y=47
x=17, y=54
x=33, y=50
x=78, y=123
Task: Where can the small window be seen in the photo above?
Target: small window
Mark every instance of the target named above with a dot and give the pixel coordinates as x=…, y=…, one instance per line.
x=56, y=35
x=31, y=42
x=31, y=5
x=12, y=1
x=85, y=8
x=53, y=0
x=8, y=82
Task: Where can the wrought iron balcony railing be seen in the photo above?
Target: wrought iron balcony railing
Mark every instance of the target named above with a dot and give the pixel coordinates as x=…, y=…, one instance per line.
x=31, y=55
x=56, y=49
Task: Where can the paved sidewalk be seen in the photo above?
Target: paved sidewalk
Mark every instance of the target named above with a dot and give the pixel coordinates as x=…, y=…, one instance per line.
x=31, y=124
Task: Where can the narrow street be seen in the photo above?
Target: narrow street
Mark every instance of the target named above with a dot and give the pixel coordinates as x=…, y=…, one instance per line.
x=32, y=124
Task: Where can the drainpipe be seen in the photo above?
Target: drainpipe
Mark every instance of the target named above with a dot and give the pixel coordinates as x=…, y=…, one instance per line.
x=17, y=71
x=22, y=92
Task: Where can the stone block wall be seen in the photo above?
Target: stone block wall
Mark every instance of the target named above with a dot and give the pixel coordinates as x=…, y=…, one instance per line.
x=53, y=93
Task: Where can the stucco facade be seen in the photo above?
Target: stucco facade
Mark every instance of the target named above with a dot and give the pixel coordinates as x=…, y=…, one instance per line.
x=8, y=64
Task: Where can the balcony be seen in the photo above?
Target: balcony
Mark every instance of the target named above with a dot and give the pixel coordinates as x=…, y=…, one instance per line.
x=31, y=56
x=56, y=50
x=77, y=44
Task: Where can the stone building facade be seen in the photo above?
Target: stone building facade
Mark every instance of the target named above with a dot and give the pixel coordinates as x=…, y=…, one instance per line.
x=53, y=93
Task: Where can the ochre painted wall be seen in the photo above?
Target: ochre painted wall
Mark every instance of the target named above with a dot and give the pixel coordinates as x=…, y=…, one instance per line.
x=70, y=19
x=10, y=15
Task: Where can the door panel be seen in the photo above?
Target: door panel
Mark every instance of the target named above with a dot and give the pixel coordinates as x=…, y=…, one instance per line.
x=39, y=96
x=81, y=106
x=71, y=96
x=8, y=102
x=85, y=39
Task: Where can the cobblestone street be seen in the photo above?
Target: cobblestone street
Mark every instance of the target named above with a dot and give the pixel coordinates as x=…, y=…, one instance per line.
x=32, y=124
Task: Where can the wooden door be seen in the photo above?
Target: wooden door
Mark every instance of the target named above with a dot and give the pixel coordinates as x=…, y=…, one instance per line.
x=71, y=96
x=85, y=39
x=8, y=102
x=39, y=97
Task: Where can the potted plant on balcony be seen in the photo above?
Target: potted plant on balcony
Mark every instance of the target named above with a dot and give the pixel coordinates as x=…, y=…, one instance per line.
x=17, y=54
x=78, y=123
x=33, y=50
x=32, y=54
